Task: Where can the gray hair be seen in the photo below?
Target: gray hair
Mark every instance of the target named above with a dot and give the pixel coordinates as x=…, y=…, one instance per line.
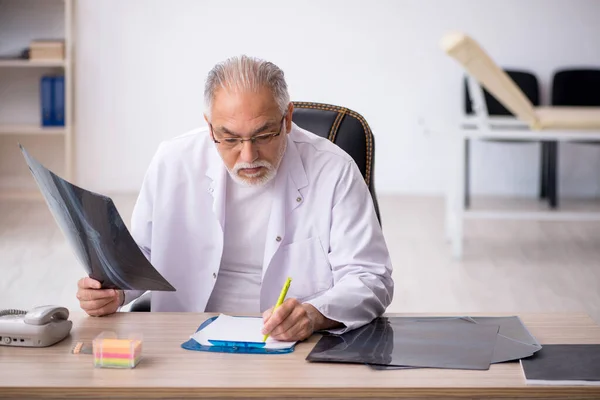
x=246, y=74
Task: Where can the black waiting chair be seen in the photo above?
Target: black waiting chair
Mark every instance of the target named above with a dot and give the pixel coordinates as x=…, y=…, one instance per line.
x=528, y=83
x=576, y=87
x=344, y=127
x=579, y=87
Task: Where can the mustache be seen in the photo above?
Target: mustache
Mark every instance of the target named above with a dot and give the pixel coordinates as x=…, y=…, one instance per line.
x=256, y=164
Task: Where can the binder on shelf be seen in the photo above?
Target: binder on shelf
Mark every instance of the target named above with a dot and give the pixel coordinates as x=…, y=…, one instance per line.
x=46, y=100
x=52, y=96
x=58, y=109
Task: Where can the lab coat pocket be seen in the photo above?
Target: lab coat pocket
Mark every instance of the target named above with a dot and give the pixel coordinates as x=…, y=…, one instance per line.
x=307, y=265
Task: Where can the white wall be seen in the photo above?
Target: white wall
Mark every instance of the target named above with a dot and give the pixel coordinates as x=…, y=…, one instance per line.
x=141, y=66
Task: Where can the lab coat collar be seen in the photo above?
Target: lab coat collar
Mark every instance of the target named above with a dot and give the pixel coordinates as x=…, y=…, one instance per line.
x=217, y=173
x=291, y=164
x=291, y=178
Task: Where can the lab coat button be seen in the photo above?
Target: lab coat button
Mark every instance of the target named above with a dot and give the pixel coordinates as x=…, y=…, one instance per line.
x=299, y=199
x=214, y=275
x=278, y=238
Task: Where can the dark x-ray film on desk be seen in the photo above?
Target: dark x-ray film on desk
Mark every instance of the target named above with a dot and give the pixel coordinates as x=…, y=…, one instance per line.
x=447, y=342
x=564, y=364
x=93, y=227
x=435, y=343
x=373, y=342
x=514, y=341
x=511, y=327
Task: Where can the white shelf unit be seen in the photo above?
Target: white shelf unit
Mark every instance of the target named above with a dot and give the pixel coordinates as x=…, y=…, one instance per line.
x=22, y=21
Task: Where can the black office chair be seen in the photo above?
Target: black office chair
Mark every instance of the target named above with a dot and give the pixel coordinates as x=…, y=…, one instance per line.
x=344, y=127
x=528, y=83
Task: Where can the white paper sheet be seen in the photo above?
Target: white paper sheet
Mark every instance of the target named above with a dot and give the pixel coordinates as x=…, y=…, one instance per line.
x=237, y=329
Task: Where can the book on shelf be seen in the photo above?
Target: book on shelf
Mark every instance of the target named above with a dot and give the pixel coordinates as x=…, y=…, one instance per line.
x=45, y=50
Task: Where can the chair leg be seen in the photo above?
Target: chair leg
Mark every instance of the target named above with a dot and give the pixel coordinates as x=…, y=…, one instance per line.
x=467, y=169
x=543, y=170
x=553, y=174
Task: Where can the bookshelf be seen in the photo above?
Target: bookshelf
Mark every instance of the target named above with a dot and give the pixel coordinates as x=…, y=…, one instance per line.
x=31, y=130
x=30, y=64
x=22, y=21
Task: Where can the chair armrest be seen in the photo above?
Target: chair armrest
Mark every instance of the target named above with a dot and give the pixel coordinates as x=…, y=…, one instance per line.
x=142, y=303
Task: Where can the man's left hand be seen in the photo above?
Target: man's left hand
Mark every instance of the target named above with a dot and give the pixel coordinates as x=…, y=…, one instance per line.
x=291, y=321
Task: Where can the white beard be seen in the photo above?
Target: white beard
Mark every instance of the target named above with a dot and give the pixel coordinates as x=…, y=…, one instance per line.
x=255, y=181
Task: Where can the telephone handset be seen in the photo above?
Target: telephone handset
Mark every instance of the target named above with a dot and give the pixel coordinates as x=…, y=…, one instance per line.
x=40, y=327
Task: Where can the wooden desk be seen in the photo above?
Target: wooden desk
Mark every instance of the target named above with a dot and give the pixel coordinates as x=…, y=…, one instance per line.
x=167, y=370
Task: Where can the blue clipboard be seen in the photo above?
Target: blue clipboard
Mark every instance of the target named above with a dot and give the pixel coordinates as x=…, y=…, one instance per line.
x=231, y=347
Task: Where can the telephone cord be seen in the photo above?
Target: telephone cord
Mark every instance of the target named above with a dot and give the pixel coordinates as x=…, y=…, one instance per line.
x=12, y=312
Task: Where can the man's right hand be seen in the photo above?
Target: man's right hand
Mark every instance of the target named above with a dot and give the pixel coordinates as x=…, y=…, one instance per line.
x=95, y=301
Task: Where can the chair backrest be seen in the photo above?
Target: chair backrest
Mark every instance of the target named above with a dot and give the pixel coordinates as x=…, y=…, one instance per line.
x=526, y=81
x=346, y=128
x=576, y=87
x=490, y=76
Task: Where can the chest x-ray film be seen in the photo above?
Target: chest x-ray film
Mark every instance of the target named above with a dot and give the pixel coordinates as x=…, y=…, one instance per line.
x=97, y=234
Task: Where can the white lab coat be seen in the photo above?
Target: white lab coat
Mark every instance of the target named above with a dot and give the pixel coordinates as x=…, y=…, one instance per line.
x=322, y=232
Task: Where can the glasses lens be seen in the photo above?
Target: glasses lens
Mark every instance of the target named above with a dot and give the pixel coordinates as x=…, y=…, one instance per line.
x=230, y=142
x=263, y=139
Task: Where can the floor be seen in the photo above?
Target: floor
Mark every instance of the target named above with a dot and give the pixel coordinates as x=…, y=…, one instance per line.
x=508, y=266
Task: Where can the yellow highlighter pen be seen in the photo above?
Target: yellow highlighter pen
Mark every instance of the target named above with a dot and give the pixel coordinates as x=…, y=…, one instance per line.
x=282, y=295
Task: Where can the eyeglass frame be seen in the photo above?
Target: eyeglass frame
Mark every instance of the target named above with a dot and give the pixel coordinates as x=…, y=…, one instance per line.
x=251, y=139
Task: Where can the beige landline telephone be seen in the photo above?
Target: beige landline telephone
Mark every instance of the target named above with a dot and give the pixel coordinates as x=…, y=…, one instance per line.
x=40, y=327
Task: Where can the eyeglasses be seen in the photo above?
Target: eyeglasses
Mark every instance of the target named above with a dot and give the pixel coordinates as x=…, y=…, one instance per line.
x=260, y=140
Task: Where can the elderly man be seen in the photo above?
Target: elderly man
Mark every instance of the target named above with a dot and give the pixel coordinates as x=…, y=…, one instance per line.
x=227, y=213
